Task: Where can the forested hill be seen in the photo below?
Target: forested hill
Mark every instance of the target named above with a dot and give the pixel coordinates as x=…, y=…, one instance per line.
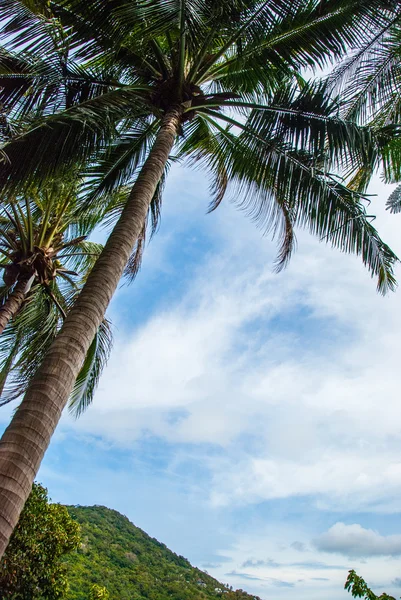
x=132, y=565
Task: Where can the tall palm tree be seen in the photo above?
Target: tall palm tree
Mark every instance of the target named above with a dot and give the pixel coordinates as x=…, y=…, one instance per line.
x=215, y=81
x=42, y=245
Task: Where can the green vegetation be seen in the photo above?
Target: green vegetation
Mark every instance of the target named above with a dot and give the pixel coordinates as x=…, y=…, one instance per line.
x=369, y=81
x=45, y=259
x=94, y=553
x=31, y=567
x=360, y=589
x=131, y=565
x=99, y=593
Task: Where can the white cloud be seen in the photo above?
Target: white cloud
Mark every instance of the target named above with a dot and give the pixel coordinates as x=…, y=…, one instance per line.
x=273, y=387
x=293, y=375
x=354, y=540
x=337, y=480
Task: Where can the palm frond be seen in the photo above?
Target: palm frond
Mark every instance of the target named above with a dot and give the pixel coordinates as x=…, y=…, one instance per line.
x=29, y=24
x=280, y=186
x=301, y=34
x=393, y=203
x=152, y=223
x=89, y=375
x=36, y=326
x=81, y=257
x=369, y=78
x=63, y=140
x=118, y=164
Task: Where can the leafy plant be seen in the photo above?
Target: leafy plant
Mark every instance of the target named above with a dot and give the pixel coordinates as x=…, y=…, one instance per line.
x=32, y=567
x=99, y=593
x=360, y=589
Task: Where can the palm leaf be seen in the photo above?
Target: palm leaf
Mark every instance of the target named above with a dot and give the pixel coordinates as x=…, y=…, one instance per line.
x=63, y=140
x=394, y=201
x=280, y=186
x=88, y=378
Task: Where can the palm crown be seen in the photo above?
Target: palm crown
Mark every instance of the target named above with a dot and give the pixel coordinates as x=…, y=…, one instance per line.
x=88, y=79
x=43, y=242
x=40, y=237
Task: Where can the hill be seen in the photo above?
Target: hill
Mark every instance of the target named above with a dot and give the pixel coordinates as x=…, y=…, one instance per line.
x=132, y=565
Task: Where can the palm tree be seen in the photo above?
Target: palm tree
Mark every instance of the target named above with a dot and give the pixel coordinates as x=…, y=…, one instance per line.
x=35, y=248
x=213, y=81
x=42, y=245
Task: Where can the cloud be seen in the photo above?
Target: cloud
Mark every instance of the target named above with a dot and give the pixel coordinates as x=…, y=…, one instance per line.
x=281, y=583
x=279, y=374
x=241, y=387
x=396, y=582
x=245, y=576
x=216, y=562
x=247, y=356
x=272, y=564
x=316, y=565
x=251, y=562
x=271, y=580
x=356, y=541
x=335, y=479
x=299, y=546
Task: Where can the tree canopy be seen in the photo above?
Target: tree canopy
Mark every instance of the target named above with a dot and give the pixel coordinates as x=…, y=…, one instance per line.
x=43, y=241
x=132, y=565
x=360, y=589
x=83, y=79
x=31, y=568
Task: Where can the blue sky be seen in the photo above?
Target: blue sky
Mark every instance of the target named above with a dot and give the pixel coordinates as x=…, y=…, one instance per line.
x=249, y=420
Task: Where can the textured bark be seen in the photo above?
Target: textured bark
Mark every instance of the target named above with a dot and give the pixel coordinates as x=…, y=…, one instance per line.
x=26, y=439
x=14, y=302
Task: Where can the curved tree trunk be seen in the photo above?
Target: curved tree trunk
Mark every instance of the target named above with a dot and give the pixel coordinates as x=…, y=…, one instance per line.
x=26, y=439
x=14, y=301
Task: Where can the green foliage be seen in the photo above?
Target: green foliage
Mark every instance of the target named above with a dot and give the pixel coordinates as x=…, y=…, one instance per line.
x=133, y=566
x=369, y=84
x=99, y=593
x=369, y=77
x=43, y=235
x=359, y=588
x=234, y=66
x=31, y=567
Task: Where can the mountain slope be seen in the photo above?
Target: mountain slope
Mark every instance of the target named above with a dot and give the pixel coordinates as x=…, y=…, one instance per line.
x=132, y=565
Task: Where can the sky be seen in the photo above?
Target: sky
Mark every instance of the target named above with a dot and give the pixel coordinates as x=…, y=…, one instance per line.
x=249, y=420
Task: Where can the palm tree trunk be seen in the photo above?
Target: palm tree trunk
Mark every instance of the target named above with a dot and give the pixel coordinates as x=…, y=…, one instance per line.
x=26, y=439
x=14, y=301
